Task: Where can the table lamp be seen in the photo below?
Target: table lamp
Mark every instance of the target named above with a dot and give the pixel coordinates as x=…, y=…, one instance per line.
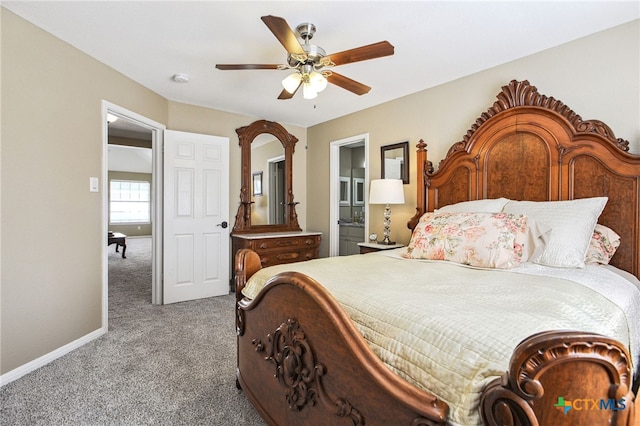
x=386, y=191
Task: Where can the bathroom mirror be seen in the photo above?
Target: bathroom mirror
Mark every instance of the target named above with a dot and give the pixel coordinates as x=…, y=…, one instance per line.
x=345, y=191
x=358, y=191
x=266, y=158
x=395, y=161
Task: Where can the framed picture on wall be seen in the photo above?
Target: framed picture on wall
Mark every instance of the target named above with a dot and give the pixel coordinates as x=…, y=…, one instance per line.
x=257, y=183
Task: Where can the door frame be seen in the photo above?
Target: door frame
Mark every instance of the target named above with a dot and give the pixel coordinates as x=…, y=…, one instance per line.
x=334, y=186
x=157, y=131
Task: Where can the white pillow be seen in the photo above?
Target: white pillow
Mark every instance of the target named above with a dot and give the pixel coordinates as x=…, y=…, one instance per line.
x=572, y=223
x=475, y=206
x=536, y=240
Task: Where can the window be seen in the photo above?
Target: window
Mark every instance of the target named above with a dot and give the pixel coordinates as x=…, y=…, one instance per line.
x=129, y=201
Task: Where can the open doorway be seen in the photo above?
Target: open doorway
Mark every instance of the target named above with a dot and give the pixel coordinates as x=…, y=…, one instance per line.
x=129, y=222
x=130, y=175
x=133, y=159
x=348, y=192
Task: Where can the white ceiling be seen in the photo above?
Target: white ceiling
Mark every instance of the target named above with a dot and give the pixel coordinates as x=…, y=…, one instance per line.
x=128, y=129
x=129, y=159
x=435, y=42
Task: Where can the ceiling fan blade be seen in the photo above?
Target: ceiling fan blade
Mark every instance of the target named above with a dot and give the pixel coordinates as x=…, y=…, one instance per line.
x=363, y=53
x=286, y=95
x=227, y=67
x=348, y=84
x=283, y=33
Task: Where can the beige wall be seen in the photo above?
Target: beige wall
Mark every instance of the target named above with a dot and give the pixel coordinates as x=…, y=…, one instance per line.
x=51, y=225
x=52, y=241
x=140, y=143
x=597, y=76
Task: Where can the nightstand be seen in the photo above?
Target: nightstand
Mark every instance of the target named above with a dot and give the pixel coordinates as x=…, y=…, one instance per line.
x=371, y=247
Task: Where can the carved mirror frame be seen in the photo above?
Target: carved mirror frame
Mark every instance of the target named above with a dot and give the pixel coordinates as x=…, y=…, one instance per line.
x=246, y=135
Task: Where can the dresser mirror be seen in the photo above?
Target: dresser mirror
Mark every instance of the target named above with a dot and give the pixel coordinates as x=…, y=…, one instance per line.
x=266, y=194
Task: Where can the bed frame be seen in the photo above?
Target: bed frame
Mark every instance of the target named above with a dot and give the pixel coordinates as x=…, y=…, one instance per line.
x=302, y=361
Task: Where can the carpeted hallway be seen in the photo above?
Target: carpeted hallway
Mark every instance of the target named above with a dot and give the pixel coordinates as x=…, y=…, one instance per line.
x=157, y=365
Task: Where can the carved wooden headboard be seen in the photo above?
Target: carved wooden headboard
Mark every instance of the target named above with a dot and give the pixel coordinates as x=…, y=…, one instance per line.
x=529, y=146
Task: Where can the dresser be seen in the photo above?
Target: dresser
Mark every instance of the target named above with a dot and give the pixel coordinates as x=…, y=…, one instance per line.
x=275, y=248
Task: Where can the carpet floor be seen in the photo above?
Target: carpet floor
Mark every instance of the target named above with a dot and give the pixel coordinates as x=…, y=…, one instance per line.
x=157, y=365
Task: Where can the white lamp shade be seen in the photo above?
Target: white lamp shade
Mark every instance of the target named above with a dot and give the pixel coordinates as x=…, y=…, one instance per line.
x=317, y=81
x=308, y=92
x=386, y=191
x=291, y=82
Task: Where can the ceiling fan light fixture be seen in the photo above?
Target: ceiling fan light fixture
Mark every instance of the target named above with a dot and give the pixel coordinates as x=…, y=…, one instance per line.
x=308, y=91
x=317, y=81
x=309, y=62
x=291, y=82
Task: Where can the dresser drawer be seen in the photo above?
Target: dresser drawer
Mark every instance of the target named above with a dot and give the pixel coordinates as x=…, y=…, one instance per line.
x=281, y=257
x=293, y=243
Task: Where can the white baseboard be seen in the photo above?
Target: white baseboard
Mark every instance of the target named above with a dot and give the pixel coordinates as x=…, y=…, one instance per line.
x=47, y=358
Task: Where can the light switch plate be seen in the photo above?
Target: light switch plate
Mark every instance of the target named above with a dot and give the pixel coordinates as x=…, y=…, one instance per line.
x=93, y=184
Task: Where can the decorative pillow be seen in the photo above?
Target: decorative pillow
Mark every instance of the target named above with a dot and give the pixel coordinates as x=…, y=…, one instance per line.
x=487, y=240
x=476, y=206
x=572, y=223
x=603, y=245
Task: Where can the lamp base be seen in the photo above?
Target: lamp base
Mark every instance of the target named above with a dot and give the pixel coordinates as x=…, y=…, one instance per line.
x=386, y=243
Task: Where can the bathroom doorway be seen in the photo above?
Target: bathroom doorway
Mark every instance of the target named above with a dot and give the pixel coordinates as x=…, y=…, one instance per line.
x=348, y=193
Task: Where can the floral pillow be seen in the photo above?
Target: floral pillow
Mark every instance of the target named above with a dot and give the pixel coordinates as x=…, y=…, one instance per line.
x=487, y=240
x=603, y=245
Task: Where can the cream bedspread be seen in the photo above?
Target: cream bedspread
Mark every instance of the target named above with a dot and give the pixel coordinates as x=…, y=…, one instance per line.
x=450, y=329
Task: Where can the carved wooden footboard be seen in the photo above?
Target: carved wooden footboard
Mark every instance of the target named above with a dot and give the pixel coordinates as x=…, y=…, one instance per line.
x=563, y=378
x=302, y=361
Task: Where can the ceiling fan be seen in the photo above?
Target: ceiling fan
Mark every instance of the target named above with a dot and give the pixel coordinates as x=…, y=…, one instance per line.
x=310, y=62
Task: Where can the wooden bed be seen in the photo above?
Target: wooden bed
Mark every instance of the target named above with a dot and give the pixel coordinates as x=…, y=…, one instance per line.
x=302, y=361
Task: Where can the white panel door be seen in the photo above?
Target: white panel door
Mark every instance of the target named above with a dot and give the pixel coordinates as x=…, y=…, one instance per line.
x=196, y=206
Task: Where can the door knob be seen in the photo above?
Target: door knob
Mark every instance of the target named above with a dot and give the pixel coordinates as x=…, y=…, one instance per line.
x=223, y=224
